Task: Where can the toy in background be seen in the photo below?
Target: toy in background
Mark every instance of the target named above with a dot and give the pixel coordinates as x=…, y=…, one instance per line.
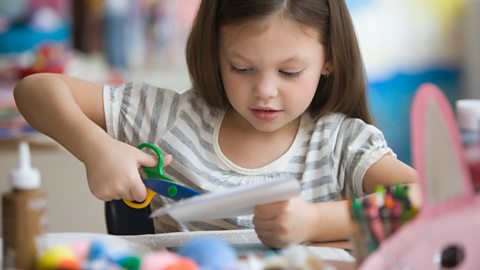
x=29, y=23
x=98, y=255
x=445, y=233
x=206, y=253
x=468, y=116
x=378, y=216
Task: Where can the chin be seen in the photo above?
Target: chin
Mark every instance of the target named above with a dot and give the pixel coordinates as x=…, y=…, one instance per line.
x=267, y=128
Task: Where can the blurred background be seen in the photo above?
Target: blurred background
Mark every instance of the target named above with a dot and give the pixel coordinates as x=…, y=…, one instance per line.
x=404, y=43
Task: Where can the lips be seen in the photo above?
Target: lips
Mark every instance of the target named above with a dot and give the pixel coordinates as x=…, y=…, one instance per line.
x=265, y=113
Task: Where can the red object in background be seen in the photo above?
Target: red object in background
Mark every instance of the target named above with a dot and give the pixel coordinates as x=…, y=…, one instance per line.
x=49, y=58
x=475, y=170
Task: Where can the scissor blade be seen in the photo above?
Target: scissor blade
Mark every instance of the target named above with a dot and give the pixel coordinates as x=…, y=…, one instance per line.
x=169, y=189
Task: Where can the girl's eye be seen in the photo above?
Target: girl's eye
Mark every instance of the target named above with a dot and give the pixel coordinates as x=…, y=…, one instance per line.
x=290, y=74
x=240, y=70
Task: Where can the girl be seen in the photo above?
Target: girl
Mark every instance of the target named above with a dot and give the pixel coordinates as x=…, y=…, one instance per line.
x=278, y=88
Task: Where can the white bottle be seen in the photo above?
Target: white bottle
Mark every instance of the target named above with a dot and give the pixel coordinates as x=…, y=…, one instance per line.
x=468, y=115
x=23, y=215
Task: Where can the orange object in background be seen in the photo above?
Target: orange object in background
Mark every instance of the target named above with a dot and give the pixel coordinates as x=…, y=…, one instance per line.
x=49, y=57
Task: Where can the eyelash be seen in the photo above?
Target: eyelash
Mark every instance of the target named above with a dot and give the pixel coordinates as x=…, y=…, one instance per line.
x=247, y=70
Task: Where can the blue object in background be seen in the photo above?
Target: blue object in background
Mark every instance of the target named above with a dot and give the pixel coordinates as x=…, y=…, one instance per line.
x=22, y=38
x=210, y=253
x=390, y=103
x=354, y=5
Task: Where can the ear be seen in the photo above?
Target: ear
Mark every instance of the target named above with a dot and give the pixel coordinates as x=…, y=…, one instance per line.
x=327, y=68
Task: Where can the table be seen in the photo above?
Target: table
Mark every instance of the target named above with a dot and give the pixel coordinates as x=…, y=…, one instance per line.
x=119, y=243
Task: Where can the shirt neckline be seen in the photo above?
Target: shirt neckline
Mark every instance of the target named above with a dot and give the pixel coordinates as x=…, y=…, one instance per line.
x=301, y=133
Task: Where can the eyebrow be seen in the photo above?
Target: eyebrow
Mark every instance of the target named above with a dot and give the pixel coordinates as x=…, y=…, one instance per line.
x=237, y=55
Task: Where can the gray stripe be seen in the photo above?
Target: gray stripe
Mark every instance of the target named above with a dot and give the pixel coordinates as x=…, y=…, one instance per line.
x=316, y=164
x=323, y=180
x=137, y=124
x=298, y=159
x=191, y=167
x=189, y=121
x=353, y=162
x=325, y=198
x=159, y=97
x=173, y=111
x=322, y=127
x=198, y=105
x=348, y=134
x=315, y=146
x=170, y=170
x=295, y=175
x=198, y=110
x=127, y=92
x=187, y=142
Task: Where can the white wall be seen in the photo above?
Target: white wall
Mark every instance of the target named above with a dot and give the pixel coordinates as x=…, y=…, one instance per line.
x=71, y=207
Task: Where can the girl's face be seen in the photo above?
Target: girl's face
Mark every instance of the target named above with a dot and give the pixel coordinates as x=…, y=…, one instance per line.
x=270, y=70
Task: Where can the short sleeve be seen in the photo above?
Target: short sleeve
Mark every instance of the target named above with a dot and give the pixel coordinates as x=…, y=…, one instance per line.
x=139, y=112
x=357, y=147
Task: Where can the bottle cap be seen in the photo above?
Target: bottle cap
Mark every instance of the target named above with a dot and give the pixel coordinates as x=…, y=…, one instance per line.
x=468, y=114
x=24, y=176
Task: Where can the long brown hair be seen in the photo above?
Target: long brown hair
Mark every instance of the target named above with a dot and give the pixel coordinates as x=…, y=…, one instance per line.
x=343, y=90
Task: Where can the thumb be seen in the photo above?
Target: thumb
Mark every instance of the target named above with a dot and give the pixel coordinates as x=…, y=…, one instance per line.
x=138, y=192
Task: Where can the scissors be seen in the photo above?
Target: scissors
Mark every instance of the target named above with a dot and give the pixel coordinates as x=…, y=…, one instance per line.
x=158, y=183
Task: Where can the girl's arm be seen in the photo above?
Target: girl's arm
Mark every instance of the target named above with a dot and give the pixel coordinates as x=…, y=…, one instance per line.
x=390, y=171
x=66, y=109
x=71, y=112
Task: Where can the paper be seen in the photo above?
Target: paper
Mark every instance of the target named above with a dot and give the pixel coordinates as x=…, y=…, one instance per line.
x=232, y=203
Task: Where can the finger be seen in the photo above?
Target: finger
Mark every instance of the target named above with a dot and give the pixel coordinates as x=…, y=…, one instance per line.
x=269, y=239
x=138, y=193
x=126, y=196
x=147, y=160
x=167, y=159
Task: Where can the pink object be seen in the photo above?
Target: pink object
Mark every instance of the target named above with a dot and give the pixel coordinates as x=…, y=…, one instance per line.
x=159, y=260
x=81, y=250
x=446, y=232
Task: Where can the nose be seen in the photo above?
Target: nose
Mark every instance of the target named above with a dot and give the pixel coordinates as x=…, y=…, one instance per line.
x=265, y=87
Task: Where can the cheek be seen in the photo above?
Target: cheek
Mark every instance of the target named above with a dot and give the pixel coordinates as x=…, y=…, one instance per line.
x=304, y=93
x=233, y=91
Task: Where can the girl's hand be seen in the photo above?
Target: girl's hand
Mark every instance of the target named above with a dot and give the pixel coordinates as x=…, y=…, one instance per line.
x=287, y=222
x=113, y=171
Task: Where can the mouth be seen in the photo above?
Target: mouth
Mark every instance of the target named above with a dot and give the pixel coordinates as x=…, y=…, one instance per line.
x=265, y=113
x=264, y=109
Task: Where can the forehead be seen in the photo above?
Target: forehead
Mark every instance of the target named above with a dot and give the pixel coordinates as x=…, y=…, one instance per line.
x=273, y=39
x=281, y=25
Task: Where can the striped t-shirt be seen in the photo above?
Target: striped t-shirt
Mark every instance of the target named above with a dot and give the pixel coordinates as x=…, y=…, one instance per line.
x=328, y=156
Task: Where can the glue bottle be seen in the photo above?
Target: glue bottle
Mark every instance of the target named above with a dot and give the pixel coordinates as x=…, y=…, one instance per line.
x=468, y=115
x=24, y=214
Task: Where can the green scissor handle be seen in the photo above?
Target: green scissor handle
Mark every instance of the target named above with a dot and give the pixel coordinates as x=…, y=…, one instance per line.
x=151, y=172
x=155, y=171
